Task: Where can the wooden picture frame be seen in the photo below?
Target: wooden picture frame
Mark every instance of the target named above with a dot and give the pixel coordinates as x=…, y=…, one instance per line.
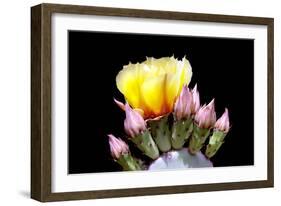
x=41, y=115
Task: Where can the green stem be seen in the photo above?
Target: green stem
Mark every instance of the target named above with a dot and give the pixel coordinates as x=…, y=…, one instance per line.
x=198, y=139
x=215, y=142
x=181, y=131
x=161, y=133
x=128, y=162
x=146, y=144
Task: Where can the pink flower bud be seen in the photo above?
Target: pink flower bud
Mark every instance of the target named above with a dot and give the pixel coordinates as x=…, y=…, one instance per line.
x=183, y=104
x=119, y=104
x=206, y=115
x=117, y=146
x=195, y=100
x=134, y=123
x=222, y=123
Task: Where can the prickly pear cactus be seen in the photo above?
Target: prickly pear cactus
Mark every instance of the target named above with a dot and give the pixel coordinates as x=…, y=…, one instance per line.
x=164, y=118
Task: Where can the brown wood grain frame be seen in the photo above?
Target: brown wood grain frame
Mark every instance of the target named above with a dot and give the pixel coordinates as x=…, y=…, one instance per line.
x=41, y=117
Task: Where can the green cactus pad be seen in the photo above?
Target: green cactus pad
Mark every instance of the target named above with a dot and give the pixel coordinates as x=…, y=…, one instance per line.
x=146, y=144
x=181, y=131
x=215, y=142
x=128, y=162
x=161, y=133
x=199, y=136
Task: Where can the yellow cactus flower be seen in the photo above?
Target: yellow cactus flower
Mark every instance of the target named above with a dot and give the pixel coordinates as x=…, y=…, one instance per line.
x=153, y=86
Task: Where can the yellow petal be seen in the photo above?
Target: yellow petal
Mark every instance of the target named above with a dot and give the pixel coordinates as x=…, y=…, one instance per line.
x=176, y=81
x=127, y=83
x=187, y=72
x=172, y=90
x=154, y=84
x=171, y=65
x=152, y=90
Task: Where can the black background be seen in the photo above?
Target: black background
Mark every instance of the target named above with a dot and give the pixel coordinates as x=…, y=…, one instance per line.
x=222, y=68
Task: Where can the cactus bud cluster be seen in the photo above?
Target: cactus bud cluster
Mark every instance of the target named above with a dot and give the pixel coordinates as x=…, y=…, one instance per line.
x=188, y=124
x=164, y=117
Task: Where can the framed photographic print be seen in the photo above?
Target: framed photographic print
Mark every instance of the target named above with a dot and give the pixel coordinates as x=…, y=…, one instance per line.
x=132, y=102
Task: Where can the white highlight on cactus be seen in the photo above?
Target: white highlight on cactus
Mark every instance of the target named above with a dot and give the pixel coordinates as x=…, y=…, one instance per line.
x=180, y=159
